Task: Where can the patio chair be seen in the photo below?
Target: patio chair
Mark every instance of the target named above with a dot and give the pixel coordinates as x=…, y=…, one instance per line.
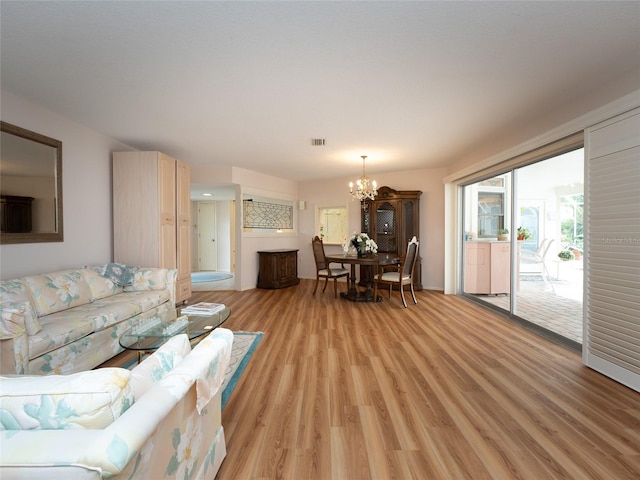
x=538, y=258
x=324, y=270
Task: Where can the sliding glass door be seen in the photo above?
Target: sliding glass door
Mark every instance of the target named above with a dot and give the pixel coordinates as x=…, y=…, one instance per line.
x=523, y=244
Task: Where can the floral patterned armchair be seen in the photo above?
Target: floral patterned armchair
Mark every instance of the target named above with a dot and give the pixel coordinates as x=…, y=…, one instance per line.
x=170, y=430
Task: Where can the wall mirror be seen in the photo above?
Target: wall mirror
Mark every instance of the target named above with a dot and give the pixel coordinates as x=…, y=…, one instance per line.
x=30, y=186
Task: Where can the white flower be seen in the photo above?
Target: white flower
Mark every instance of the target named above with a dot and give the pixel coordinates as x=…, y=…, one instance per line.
x=66, y=289
x=188, y=447
x=362, y=243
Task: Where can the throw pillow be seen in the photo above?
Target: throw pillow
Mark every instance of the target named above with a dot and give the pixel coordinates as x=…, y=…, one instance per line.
x=53, y=292
x=100, y=285
x=91, y=400
x=148, y=279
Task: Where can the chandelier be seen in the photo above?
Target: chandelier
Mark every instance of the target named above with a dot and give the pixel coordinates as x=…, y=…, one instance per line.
x=364, y=188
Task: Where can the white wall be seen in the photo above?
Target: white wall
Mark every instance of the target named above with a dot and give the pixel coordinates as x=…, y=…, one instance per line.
x=253, y=183
x=86, y=167
x=335, y=192
x=87, y=199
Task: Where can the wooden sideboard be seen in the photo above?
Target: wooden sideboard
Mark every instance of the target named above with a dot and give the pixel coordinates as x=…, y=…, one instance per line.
x=278, y=268
x=15, y=214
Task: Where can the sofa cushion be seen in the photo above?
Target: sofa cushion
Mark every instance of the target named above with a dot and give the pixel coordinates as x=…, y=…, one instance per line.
x=101, y=313
x=55, y=334
x=92, y=399
x=100, y=286
x=156, y=366
x=67, y=326
x=111, y=310
x=14, y=295
x=148, y=279
x=53, y=292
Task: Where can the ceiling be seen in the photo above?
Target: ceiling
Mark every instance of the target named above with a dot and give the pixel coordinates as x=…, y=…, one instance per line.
x=250, y=84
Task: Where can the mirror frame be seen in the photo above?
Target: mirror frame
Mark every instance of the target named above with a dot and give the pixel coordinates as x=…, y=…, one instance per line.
x=58, y=235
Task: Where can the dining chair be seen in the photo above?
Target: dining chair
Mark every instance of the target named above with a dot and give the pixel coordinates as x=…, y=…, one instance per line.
x=401, y=276
x=324, y=269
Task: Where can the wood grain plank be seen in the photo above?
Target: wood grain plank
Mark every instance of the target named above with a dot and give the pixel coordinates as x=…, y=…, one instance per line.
x=441, y=390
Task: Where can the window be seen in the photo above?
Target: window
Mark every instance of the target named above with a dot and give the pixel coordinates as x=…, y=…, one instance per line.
x=331, y=224
x=490, y=214
x=265, y=215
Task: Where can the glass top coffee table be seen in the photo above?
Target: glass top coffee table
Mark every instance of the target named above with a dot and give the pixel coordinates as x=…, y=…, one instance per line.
x=153, y=334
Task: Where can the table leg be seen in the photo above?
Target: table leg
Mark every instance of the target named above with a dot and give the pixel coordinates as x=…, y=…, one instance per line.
x=354, y=294
x=353, y=290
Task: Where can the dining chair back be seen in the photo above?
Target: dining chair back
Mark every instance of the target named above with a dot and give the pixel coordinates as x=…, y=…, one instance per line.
x=401, y=275
x=324, y=269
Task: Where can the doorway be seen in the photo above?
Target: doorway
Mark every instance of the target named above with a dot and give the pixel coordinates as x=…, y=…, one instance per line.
x=207, y=236
x=512, y=244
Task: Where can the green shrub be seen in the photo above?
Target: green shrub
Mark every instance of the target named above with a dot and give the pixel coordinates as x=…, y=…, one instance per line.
x=566, y=255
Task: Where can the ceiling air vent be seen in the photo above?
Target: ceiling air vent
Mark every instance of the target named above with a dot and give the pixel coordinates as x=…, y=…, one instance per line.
x=317, y=142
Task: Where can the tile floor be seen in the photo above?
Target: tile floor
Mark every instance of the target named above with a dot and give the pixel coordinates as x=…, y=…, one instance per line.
x=561, y=312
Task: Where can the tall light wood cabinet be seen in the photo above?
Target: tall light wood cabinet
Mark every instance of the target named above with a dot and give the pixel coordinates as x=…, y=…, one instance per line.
x=151, y=214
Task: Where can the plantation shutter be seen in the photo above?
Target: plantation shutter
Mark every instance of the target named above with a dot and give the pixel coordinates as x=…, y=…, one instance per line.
x=612, y=254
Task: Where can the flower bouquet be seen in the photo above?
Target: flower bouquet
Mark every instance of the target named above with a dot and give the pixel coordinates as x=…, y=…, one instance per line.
x=362, y=243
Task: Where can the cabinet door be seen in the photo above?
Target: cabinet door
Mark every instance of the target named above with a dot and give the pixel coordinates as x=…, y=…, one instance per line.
x=477, y=268
x=136, y=211
x=289, y=266
x=386, y=227
x=269, y=275
x=183, y=237
x=167, y=203
x=500, y=267
x=410, y=222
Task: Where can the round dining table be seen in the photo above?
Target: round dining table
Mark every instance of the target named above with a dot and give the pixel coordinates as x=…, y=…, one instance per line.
x=373, y=260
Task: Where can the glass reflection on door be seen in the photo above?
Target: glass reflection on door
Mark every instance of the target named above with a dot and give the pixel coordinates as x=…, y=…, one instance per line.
x=487, y=259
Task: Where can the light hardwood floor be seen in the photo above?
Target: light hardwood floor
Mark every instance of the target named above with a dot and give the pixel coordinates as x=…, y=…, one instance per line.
x=441, y=390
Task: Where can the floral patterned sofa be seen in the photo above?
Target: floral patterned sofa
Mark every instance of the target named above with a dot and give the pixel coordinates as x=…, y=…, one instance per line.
x=162, y=420
x=70, y=321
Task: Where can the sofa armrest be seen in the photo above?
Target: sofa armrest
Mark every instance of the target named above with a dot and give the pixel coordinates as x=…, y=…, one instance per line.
x=167, y=409
x=103, y=451
x=152, y=278
x=172, y=277
x=14, y=355
x=11, y=323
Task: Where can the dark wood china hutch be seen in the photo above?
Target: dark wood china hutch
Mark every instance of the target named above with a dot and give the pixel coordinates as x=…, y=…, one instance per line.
x=391, y=220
